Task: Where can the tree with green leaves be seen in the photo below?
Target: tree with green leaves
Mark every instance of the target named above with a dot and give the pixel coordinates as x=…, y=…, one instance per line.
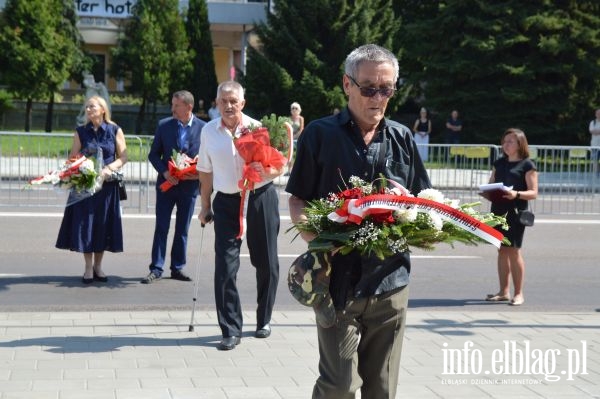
x=533, y=65
x=5, y=102
x=203, y=79
x=40, y=48
x=303, y=48
x=152, y=54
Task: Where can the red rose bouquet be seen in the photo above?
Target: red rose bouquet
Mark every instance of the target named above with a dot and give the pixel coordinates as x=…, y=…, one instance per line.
x=179, y=165
x=254, y=145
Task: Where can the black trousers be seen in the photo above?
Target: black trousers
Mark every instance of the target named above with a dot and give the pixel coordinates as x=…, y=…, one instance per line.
x=262, y=218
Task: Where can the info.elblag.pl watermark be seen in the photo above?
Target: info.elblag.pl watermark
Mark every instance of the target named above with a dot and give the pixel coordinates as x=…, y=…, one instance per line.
x=515, y=362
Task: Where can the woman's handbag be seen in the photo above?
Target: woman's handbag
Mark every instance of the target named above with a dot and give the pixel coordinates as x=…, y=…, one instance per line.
x=120, y=179
x=122, y=190
x=526, y=217
x=118, y=176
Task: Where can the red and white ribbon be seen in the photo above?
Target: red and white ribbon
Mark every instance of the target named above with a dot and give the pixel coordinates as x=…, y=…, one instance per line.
x=355, y=210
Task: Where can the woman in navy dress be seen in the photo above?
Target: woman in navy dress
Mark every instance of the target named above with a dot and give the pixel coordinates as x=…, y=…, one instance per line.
x=93, y=225
x=514, y=169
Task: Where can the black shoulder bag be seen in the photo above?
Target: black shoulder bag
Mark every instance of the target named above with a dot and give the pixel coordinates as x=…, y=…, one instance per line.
x=526, y=217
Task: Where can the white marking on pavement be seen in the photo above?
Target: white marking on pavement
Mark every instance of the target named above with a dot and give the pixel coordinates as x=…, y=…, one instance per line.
x=444, y=257
x=58, y=215
x=412, y=256
x=282, y=217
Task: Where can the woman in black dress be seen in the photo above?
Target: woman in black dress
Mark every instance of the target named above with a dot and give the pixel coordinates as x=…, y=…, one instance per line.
x=93, y=225
x=517, y=170
x=421, y=132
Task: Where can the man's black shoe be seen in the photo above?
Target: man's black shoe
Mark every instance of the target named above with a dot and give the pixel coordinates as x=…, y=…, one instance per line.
x=228, y=343
x=150, y=278
x=264, y=332
x=179, y=275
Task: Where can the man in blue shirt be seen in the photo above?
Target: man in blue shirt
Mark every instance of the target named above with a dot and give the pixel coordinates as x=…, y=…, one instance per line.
x=181, y=133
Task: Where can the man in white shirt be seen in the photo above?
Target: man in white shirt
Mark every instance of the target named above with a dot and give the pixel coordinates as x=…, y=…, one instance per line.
x=221, y=167
x=213, y=111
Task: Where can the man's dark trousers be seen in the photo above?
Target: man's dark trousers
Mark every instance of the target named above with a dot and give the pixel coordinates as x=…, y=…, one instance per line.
x=183, y=198
x=262, y=229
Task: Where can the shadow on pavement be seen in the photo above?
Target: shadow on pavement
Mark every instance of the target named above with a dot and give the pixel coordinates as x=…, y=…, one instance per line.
x=430, y=303
x=103, y=343
x=66, y=282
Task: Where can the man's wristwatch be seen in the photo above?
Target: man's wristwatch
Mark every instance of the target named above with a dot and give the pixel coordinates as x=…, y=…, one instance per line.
x=518, y=195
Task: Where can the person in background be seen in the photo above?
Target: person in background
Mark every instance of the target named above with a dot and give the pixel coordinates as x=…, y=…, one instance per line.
x=201, y=113
x=362, y=349
x=517, y=170
x=595, y=140
x=297, y=120
x=422, y=130
x=213, y=111
x=221, y=167
x=453, y=128
x=179, y=133
x=93, y=225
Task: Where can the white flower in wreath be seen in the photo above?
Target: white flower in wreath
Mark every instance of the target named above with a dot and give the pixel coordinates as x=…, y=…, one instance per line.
x=406, y=215
x=452, y=203
x=432, y=194
x=436, y=221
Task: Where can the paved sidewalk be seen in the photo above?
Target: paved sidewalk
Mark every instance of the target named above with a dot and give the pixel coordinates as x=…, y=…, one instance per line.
x=151, y=354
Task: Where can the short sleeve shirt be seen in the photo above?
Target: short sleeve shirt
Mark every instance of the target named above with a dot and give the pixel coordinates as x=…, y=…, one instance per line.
x=330, y=151
x=511, y=174
x=219, y=156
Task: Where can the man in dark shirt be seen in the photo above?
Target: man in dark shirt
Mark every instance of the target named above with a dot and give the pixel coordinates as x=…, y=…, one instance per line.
x=453, y=128
x=362, y=349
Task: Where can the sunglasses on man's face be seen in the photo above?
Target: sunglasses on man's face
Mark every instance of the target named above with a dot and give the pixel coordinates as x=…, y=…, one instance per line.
x=371, y=91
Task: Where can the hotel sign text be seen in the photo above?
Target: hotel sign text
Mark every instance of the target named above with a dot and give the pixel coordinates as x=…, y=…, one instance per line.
x=104, y=8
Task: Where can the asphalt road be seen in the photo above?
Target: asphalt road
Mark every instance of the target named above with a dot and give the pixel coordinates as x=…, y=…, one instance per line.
x=561, y=270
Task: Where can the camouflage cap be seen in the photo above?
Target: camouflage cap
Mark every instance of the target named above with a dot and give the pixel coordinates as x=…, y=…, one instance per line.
x=308, y=281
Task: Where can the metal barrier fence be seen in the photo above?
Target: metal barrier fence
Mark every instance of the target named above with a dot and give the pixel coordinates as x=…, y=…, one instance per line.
x=24, y=156
x=569, y=180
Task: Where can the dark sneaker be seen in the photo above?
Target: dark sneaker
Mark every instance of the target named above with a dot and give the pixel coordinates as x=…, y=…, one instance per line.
x=150, y=278
x=179, y=275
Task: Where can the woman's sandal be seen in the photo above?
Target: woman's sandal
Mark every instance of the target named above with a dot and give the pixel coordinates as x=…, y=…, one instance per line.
x=517, y=300
x=497, y=298
x=97, y=277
